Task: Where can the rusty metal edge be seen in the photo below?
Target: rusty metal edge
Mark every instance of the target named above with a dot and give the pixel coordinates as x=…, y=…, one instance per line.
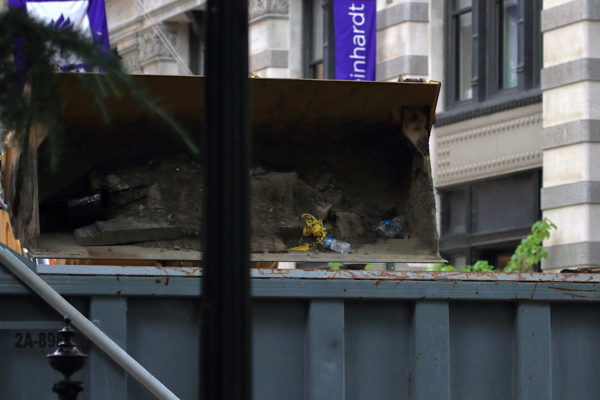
x=322, y=274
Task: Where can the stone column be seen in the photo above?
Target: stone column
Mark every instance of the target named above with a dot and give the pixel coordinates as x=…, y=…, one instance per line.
x=571, y=133
x=402, y=44
x=269, y=37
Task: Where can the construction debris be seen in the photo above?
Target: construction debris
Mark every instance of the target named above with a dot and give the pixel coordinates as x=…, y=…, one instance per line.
x=159, y=204
x=125, y=230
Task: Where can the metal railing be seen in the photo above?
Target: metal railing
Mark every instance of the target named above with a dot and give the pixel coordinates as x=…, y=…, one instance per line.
x=19, y=268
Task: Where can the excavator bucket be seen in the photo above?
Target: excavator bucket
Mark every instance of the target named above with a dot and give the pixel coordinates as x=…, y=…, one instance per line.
x=354, y=156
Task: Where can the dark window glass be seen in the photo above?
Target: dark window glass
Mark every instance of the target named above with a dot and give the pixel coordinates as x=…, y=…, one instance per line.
x=464, y=55
x=493, y=55
x=485, y=220
x=498, y=256
x=456, y=212
x=505, y=203
x=462, y=21
x=508, y=43
x=318, y=39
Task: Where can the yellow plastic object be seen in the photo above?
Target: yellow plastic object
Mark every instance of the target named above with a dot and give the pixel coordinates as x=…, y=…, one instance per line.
x=313, y=227
x=304, y=247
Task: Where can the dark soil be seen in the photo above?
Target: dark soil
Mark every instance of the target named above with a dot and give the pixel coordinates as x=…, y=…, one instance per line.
x=170, y=190
x=350, y=184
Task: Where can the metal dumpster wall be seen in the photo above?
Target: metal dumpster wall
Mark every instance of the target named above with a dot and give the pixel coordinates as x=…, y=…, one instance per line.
x=358, y=337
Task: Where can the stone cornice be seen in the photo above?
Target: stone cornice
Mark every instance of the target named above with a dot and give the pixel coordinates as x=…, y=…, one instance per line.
x=491, y=129
x=584, y=69
x=451, y=168
x=570, y=13
x=263, y=17
x=258, y=8
x=489, y=107
x=408, y=64
x=579, y=254
x=151, y=47
x=574, y=132
x=492, y=165
x=168, y=9
x=403, y=12
x=570, y=194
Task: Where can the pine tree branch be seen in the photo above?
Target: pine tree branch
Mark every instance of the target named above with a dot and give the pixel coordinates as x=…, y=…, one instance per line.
x=29, y=52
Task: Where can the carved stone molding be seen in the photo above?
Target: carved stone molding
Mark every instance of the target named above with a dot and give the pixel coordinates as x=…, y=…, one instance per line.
x=262, y=7
x=152, y=46
x=489, y=150
x=490, y=130
x=131, y=62
x=501, y=162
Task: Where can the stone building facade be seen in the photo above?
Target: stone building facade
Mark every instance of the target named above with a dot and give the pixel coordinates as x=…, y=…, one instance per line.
x=570, y=137
x=165, y=36
x=532, y=140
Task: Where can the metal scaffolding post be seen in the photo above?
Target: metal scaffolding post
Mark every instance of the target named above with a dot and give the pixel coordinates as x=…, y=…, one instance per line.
x=225, y=349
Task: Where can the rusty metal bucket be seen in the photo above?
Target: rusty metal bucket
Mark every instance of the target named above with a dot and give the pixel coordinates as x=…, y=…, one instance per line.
x=353, y=154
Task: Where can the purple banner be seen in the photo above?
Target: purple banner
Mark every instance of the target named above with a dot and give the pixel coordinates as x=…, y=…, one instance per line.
x=355, y=39
x=85, y=16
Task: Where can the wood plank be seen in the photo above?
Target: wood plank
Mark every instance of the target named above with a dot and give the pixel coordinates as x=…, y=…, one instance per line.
x=63, y=246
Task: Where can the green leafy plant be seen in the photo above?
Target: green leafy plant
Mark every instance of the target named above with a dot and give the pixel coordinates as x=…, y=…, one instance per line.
x=530, y=251
x=527, y=254
x=335, y=266
x=442, y=267
x=29, y=84
x=479, y=266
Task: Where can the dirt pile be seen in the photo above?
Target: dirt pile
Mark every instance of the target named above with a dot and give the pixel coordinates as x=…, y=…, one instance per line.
x=166, y=192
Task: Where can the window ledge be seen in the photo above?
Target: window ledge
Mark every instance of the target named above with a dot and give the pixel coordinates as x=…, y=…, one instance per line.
x=487, y=107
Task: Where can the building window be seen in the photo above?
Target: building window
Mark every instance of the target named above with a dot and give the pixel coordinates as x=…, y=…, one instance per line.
x=197, y=50
x=485, y=220
x=507, y=42
x=493, y=52
x=462, y=28
x=318, y=39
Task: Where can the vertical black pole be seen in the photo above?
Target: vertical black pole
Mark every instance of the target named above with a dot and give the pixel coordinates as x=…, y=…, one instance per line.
x=226, y=299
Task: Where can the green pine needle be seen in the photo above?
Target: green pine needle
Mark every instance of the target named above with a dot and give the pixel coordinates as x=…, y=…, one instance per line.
x=36, y=101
